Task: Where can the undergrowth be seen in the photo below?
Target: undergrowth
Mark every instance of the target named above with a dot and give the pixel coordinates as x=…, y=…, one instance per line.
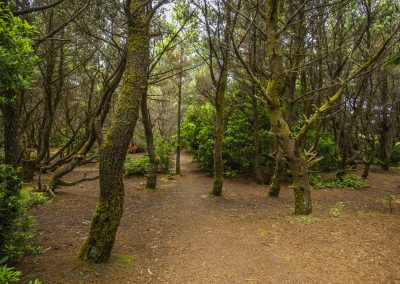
x=349, y=180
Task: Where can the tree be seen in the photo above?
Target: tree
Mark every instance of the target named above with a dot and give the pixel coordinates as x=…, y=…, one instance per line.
x=16, y=66
x=97, y=247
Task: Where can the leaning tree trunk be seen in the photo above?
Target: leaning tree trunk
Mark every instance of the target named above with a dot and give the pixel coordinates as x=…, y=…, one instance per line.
x=95, y=127
x=151, y=182
x=279, y=127
x=97, y=248
x=11, y=131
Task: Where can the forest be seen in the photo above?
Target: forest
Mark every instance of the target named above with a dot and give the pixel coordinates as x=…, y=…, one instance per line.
x=199, y=141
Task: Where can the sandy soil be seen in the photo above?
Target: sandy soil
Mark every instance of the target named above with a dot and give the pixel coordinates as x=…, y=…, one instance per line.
x=180, y=235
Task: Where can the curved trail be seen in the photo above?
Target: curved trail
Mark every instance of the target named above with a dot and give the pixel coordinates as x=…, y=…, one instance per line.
x=178, y=234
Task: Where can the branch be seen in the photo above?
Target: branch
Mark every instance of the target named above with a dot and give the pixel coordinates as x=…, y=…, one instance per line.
x=36, y=9
x=299, y=137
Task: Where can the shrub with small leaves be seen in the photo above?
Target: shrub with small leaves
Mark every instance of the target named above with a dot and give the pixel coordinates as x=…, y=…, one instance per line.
x=16, y=223
x=351, y=181
x=164, y=150
x=137, y=165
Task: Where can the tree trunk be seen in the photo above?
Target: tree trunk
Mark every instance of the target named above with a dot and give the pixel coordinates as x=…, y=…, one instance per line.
x=151, y=182
x=254, y=104
x=279, y=127
x=257, y=170
x=12, y=150
x=385, y=143
x=97, y=248
x=219, y=106
x=178, y=133
x=275, y=188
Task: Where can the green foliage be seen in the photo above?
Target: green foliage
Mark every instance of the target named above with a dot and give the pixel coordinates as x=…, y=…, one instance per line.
x=348, y=180
x=137, y=166
x=389, y=201
x=8, y=274
x=336, y=210
x=230, y=173
x=238, y=145
x=307, y=219
x=164, y=150
x=141, y=148
x=395, y=158
x=326, y=149
x=198, y=134
x=15, y=221
x=16, y=53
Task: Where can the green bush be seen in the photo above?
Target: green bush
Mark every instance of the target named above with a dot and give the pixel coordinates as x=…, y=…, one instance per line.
x=238, y=145
x=351, y=181
x=198, y=134
x=17, y=59
x=164, y=150
x=16, y=223
x=395, y=158
x=136, y=166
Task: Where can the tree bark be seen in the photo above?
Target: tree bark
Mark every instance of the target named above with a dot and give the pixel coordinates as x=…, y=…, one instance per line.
x=279, y=127
x=151, y=182
x=275, y=187
x=97, y=248
x=219, y=107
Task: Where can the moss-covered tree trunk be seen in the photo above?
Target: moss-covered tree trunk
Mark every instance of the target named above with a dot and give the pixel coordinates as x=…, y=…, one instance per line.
x=151, y=182
x=279, y=127
x=219, y=137
x=97, y=248
x=219, y=107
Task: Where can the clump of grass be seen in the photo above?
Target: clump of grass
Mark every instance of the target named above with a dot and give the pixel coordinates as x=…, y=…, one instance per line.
x=389, y=201
x=349, y=180
x=306, y=219
x=336, y=210
x=125, y=260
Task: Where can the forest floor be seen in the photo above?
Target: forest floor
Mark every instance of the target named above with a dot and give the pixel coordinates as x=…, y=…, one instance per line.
x=178, y=234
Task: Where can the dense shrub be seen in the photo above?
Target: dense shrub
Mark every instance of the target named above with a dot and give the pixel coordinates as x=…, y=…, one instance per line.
x=16, y=223
x=137, y=165
x=395, y=158
x=238, y=144
x=351, y=181
x=198, y=134
x=164, y=151
x=326, y=149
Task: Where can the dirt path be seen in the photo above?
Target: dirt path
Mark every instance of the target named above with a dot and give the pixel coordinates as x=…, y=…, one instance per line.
x=180, y=235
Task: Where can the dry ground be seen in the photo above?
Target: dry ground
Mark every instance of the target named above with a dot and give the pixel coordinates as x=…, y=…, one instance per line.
x=180, y=235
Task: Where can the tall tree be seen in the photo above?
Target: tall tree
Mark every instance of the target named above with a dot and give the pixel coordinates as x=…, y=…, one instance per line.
x=97, y=247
